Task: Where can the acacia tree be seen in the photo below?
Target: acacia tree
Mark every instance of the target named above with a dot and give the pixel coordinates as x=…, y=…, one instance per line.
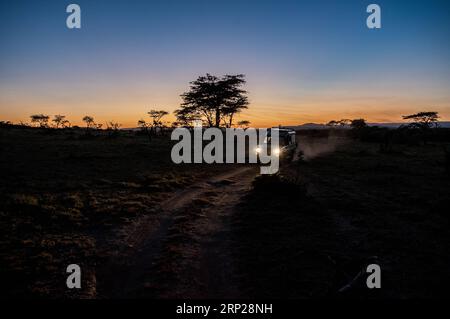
x=342, y=123
x=60, y=121
x=157, y=119
x=235, y=99
x=243, y=124
x=113, y=128
x=40, y=119
x=186, y=116
x=358, y=124
x=144, y=126
x=89, y=120
x=333, y=123
x=6, y=123
x=345, y=122
x=423, y=120
x=214, y=99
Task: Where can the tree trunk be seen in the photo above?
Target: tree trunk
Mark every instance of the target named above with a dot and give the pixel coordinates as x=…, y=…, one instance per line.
x=217, y=118
x=231, y=120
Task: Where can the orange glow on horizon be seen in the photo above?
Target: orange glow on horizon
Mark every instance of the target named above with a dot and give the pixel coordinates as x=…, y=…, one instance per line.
x=258, y=116
x=268, y=107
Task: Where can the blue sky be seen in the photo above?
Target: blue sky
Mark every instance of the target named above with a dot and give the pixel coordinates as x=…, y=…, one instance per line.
x=304, y=60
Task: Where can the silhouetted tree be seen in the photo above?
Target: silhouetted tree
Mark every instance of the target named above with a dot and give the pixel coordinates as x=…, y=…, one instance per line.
x=423, y=120
x=40, y=119
x=6, y=123
x=243, y=124
x=157, y=119
x=358, y=124
x=145, y=127
x=333, y=123
x=342, y=123
x=113, y=128
x=235, y=98
x=216, y=99
x=345, y=122
x=186, y=116
x=60, y=121
x=89, y=120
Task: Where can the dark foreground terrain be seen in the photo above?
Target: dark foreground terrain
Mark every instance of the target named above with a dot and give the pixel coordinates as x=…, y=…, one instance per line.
x=312, y=230
x=140, y=226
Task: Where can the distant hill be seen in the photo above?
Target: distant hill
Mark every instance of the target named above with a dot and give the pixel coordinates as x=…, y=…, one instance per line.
x=396, y=125
x=315, y=126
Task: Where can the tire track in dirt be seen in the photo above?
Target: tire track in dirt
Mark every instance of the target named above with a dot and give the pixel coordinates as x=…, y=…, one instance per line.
x=186, y=251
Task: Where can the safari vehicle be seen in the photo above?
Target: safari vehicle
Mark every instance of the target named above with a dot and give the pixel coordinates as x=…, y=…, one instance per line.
x=286, y=145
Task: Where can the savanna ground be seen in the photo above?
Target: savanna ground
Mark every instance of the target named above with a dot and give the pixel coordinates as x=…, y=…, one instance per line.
x=140, y=226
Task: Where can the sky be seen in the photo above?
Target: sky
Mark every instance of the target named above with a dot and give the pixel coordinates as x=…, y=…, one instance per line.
x=304, y=61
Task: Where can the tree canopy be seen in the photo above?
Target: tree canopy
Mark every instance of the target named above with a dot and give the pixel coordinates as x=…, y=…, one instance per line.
x=215, y=99
x=157, y=116
x=89, y=120
x=60, y=121
x=423, y=119
x=40, y=119
x=358, y=124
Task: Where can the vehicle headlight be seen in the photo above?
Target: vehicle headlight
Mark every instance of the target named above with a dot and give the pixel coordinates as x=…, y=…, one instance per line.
x=277, y=151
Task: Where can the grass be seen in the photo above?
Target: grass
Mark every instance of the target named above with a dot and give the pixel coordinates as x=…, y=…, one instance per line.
x=304, y=233
x=310, y=230
x=65, y=196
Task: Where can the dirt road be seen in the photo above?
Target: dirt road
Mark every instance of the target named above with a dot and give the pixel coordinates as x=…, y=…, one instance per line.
x=186, y=251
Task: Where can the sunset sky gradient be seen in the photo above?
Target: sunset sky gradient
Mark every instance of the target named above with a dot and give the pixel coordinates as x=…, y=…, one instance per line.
x=305, y=61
